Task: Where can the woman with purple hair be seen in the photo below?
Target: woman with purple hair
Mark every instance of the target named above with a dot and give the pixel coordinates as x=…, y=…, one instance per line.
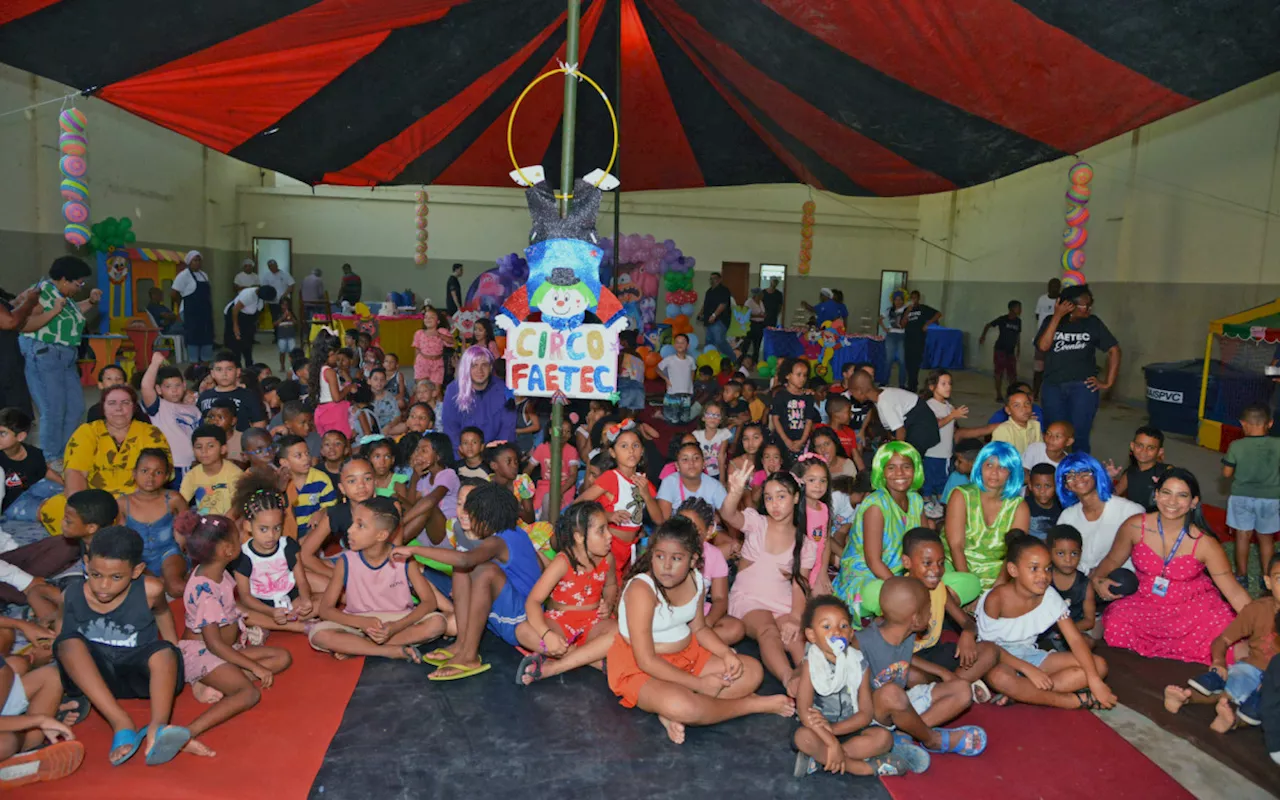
x=478, y=398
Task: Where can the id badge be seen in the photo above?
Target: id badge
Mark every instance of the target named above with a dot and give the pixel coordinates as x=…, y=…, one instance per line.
x=1160, y=587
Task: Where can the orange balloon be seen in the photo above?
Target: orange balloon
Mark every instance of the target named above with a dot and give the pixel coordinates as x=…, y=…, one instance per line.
x=651, y=359
x=643, y=350
x=651, y=373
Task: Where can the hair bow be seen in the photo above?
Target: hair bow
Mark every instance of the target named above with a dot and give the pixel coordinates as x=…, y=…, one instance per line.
x=495, y=443
x=618, y=428
x=810, y=456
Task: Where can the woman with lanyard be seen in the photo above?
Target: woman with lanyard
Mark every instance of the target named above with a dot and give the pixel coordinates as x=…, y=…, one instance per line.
x=50, y=344
x=241, y=317
x=191, y=289
x=1178, y=608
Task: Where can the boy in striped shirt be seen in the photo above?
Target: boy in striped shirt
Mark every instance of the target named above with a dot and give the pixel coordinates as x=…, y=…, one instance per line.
x=309, y=490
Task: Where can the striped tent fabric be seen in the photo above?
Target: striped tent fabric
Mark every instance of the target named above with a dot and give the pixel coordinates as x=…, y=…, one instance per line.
x=859, y=97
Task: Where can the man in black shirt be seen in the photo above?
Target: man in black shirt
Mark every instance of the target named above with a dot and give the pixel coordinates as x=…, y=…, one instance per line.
x=453, y=291
x=1071, y=339
x=1008, y=345
x=772, y=305
x=915, y=321
x=715, y=315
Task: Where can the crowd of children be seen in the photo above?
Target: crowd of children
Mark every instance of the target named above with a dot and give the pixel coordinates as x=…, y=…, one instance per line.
x=325, y=503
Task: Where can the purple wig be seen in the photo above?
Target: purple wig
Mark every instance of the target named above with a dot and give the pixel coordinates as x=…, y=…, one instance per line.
x=466, y=391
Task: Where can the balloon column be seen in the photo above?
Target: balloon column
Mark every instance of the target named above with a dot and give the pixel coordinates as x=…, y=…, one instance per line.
x=420, y=251
x=806, y=235
x=651, y=265
x=73, y=143
x=1075, y=235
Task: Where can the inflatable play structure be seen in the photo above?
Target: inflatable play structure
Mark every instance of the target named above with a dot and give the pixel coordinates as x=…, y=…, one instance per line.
x=1237, y=352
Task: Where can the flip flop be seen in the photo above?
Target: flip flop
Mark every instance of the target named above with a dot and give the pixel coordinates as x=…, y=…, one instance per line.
x=130, y=737
x=412, y=652
x=170, y=739
x=980, y=692
x=58, y=760
x=888, y=765
x=462, y=672
x=913, y=755
x=437, y=658
x=967, y=740
x=81, y=710
x=535, y=660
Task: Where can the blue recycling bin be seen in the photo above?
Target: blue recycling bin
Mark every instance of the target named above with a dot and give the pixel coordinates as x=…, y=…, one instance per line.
x=1173, y=394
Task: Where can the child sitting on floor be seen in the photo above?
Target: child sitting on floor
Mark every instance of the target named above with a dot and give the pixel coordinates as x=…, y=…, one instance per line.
x=163, y=398
x=208, y=485
x=259, y=449
x=1014, y=613
x=270, y=578
x=961, y=465
x=118, y=641
x=150, y=511
x=1058, y=438
x=814, y=477
x=969, y=659
x=27, y=476
x=35, y=745
x=624, y=491
x=309, y=489
x=715, y=571
x=334, y=450
x=665, y=660
x=579, y=591
x=471, y=452
x=379, y=617
x=834, y=698
x=1022, y=428
x=1137, y=481
x=1065, y=546
x=491, y=582
x=1236, y=690
x=217, y=651
x=89, y=511
x=888, y=645
x=222, y=414
x=1042, y=500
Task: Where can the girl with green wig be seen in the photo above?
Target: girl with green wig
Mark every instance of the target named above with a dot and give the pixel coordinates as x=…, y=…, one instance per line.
x=874, y=550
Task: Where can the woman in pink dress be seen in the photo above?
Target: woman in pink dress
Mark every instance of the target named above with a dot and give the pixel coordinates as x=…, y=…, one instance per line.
x=429, y=344
x=1183, y=575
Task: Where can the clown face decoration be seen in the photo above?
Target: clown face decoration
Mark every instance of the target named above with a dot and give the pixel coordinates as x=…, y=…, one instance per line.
x=563, y=299
x=117, y=267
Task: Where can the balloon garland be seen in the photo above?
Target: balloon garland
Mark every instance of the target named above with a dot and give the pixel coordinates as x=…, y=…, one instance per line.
x=1075, y=235
x=420, y=250
x=111, y=234
x=806, y=235
x=74, y=145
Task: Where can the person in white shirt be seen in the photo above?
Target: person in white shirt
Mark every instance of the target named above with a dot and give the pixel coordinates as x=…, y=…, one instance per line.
x=241, y=317
x=191, y=287
x=282, y=282
x=1044, y=310
x=677, y=371
x=247, y=276
x=1089, y=506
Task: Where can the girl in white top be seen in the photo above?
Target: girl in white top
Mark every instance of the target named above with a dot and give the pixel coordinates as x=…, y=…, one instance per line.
x=713, y=439
x=665, y=659
x=1014, y=613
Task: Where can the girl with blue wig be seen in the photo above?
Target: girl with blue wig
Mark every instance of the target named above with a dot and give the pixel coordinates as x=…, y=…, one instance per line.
x=874, y=549
x=1090, y=505
x=981, y=512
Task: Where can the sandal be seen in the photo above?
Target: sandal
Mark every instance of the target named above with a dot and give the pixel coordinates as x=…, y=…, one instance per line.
x=888, y=765
x=130, y=737
x=1087, y=701
x=1003, y=701
x=980, y=692
x=437, y=658
x=169, y=741
x=913, y=755
x=81, y=710
x=530, y=667
x=459, y=673
x=411, y=653
x=967, y=740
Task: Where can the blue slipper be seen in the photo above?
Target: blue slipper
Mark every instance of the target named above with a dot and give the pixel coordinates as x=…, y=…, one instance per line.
x=130, y=737
x=967, y=740
x=169, y=741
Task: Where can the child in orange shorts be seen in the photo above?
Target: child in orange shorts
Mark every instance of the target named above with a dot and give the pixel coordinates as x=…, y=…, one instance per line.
x=665, y=660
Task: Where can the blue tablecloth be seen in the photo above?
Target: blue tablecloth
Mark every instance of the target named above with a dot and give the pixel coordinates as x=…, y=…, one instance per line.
x=943, y=348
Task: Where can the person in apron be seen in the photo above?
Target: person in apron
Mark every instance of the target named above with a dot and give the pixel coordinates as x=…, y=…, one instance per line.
x=241, y=320
x=191, y=287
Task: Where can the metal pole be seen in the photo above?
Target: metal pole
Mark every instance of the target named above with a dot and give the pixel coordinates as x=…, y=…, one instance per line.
x=571, y=56
x=617, y=167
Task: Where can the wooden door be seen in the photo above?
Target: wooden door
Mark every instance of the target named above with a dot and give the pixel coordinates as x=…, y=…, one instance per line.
x=736, y=277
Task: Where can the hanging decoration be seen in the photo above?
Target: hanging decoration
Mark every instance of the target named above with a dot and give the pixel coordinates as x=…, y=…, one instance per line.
x=73, y=144
x=652, y=267
x=1076, y=234
x=111, y=234
x=806, y=235
x=420, y=250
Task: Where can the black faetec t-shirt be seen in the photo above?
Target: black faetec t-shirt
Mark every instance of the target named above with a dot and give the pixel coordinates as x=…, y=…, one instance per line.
x=20, y=475
x=914, y=319
x=1009, y=330
x=1072, y=355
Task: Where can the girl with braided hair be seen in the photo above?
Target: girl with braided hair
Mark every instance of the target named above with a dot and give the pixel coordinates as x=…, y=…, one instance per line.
x=272, y=582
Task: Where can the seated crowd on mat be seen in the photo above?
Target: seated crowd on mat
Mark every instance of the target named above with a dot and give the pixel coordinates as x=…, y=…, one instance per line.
x=892, y=568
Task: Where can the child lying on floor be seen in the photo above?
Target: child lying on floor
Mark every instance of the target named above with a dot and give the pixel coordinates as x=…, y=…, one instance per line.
x=379, y=617
x=491, y=582
x=1236, y=690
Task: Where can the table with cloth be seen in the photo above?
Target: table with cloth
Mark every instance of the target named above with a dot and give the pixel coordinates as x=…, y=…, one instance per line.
x=395, y=333
x=944, y=348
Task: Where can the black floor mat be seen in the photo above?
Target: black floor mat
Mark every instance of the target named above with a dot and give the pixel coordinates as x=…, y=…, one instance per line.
x=565, y=737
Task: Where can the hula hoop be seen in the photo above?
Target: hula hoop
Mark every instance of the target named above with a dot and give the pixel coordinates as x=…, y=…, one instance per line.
x=571, y=72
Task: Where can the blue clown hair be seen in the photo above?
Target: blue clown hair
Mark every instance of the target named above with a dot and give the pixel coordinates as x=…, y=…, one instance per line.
x=888, y=451
x=1006, y=455
x=1081, y=462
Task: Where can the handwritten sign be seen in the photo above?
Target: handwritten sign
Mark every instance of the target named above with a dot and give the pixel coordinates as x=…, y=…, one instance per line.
x=582, y=362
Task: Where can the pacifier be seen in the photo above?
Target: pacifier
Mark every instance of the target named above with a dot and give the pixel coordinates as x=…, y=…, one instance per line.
x=838, y=644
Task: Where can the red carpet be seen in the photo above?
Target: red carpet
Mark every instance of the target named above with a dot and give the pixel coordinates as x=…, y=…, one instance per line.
x=1043, y=753
x=272, y=751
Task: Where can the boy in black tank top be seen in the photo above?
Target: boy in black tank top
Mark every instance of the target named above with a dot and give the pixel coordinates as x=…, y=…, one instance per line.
x=117, y=633
x=1065, y=545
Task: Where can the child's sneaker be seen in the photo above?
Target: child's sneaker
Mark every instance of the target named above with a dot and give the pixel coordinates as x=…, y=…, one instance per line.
x=805, y=765
x=934, y=510
x=1210, y=683
x=1250, y=711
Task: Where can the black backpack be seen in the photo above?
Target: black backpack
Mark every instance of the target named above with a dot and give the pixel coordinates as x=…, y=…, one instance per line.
x=921, y=425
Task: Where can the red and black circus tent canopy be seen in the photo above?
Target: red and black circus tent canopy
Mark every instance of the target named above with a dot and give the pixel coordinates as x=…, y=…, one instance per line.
x=860, y=97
